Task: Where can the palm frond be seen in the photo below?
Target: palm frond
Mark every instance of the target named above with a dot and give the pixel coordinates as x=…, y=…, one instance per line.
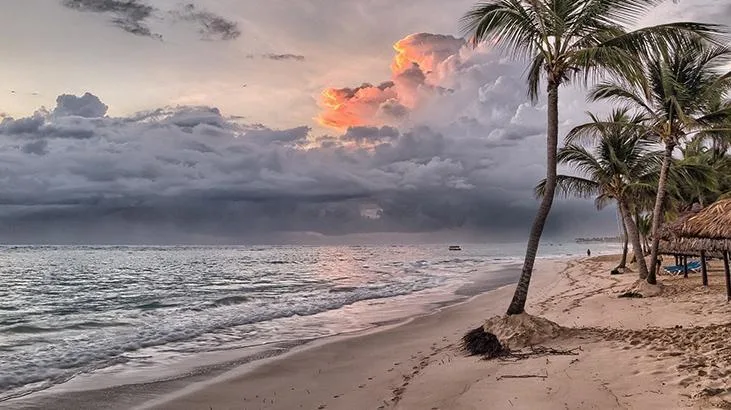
x=570, y=186
x=619, y=93
x=509, y=24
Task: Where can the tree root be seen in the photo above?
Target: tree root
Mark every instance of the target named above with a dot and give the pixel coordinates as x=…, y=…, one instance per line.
x=478, y=342
x=522, y=376
x=538, y=351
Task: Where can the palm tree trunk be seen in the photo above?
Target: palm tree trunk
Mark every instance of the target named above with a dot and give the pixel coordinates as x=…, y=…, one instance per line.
x=643, y=238
x=623, y=262
x=634, y=234
x=517, y=305
x=657, y=213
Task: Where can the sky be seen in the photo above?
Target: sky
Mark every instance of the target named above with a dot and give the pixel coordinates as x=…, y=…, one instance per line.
x=243, y=121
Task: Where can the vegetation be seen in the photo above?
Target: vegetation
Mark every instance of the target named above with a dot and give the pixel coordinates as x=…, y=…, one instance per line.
x=568, y=41
x=620, y=166
x=682, y=94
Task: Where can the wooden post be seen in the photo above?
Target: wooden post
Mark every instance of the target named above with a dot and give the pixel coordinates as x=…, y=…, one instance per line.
x=685, y=266
x=704, y=268
x=677, y=260
x=728, y=276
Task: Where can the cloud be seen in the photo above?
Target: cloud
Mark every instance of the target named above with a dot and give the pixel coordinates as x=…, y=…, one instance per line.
x=87, y=106
x=360, y=106
x=448, y=143
x=427, y=51
x=370, y=135
x=422, y=65
x=278, y=57
x=192, y=174
x=133, y=16
x=128, y=15
x=281, y=57
x=210, y=25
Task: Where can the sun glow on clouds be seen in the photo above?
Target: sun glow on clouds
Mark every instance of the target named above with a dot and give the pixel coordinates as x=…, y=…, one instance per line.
x=419, y=67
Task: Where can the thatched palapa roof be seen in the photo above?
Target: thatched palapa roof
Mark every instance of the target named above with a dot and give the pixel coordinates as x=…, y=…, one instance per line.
x=670, y=240
x=713, y=222
x=707, y=230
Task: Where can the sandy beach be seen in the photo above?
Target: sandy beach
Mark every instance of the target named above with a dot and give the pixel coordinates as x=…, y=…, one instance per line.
x=665, y=352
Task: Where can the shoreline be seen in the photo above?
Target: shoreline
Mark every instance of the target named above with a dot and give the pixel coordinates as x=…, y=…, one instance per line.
x=193, y=396
x=126, y=395
x=663, y=352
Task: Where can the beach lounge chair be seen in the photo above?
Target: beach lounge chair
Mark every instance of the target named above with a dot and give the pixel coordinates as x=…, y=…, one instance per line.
x=693, y=266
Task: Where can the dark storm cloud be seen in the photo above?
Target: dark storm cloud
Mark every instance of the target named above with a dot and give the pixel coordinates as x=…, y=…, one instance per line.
x=35, y=147
x=210, y=25
x=10, y=126
x=267, y=136
x=370, y=134
x=87, y=106
x=277, y=57
x=465, y=160
x=133, y=16
x=282, y=57
x=129, y=15
x=193, y=172
x=394, y=110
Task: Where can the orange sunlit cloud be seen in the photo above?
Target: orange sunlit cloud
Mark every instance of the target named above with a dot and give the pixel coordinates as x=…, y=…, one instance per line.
x=352, y=107
x=414, y=67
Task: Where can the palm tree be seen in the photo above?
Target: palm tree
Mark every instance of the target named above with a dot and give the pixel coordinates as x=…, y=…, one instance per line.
x=644, y=225
x=682, y=95
x=568, y=40
x=620, y=165
x=712, y=176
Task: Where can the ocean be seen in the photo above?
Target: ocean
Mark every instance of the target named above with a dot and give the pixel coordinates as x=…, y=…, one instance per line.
x=93, y=317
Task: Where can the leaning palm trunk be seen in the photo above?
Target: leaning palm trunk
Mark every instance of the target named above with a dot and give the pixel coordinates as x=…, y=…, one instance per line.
x=517, y=305
x=623, y=262
x=657, y=214
x=634, y=234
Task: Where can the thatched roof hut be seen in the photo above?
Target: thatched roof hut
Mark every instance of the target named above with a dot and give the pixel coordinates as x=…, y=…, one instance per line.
x=709, y=229
x=671, y=242
x=706, y=232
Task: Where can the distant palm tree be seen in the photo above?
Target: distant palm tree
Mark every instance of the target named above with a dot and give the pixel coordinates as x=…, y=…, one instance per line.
x=712, y=176
x=569, y=40
x=683, y=95
x=644, y=225
x=619, y=164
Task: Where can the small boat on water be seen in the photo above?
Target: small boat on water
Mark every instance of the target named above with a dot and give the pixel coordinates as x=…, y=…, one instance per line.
x=455, y=248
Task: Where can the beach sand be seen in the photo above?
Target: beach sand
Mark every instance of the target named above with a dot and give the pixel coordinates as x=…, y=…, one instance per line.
x=665, y=352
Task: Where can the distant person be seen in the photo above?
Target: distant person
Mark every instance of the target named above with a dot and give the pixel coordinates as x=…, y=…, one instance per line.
x=588, y=252
x=658, y=265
